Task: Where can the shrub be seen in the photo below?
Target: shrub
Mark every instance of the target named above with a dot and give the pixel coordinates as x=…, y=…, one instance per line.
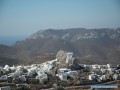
x=62, y=83
x=22, y=88
x=34, y=81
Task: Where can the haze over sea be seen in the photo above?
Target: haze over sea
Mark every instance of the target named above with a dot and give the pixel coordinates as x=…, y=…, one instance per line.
x=10, y=40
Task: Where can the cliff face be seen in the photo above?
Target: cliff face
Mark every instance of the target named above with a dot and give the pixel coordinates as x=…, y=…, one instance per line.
x=91, y=45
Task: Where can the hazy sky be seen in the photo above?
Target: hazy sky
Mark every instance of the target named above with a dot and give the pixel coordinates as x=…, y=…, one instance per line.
x=24, y=17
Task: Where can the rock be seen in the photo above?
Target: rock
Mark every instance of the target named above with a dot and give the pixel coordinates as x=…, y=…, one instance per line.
x=61, y=55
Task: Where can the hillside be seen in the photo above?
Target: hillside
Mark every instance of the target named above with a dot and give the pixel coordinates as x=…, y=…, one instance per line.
x=89, y=45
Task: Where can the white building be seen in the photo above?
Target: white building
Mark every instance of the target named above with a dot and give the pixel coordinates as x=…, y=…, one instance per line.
x=5, y=88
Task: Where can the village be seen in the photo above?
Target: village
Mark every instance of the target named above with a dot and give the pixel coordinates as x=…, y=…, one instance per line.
x=64, y=71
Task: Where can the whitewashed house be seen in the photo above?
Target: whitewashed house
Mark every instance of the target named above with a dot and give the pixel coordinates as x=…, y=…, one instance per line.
x=5, y=88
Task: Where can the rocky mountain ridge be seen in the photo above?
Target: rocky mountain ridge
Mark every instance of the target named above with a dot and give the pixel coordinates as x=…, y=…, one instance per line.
x=76, y=34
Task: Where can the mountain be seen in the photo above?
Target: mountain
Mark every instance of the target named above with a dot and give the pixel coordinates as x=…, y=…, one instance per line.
x=88, y=45
x=6, y=55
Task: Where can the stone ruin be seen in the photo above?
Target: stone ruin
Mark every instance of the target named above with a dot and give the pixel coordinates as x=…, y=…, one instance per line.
x=64, y=58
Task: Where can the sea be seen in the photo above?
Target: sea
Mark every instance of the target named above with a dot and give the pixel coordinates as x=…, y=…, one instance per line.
x=11, y=40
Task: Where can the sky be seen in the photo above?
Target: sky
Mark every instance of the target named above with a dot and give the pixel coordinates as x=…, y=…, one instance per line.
x=21, y=18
